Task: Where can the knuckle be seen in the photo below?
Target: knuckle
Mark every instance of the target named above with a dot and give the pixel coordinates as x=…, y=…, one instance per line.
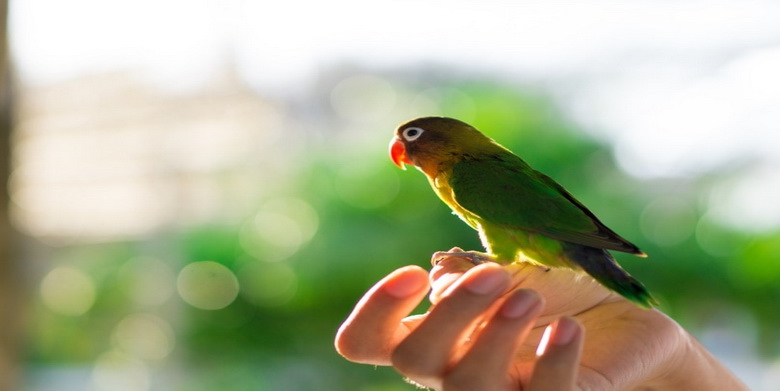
x=459, y=381
x=357, y=349
x=477, y=376
x=411, y=360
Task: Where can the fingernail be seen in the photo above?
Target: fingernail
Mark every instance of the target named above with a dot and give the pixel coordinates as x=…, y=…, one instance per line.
x=405, y=285
x=565, y=331
x=487, y=281
x=443, y=283
x=519, y=304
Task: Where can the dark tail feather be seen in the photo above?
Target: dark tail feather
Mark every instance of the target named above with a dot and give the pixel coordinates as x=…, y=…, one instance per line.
x=601, y=266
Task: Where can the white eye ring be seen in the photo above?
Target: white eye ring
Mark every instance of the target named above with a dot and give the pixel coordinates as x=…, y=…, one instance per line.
x=413, y=133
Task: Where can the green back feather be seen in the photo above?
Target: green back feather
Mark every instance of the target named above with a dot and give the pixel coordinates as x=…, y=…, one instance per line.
x=502, y=189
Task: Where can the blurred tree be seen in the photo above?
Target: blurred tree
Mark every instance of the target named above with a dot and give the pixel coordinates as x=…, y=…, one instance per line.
x=305, y=245
x=10, y=287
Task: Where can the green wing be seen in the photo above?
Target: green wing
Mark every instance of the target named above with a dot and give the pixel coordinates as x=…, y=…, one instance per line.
x=505, y=191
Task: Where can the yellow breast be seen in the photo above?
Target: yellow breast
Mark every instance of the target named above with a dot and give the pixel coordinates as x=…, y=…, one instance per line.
x=440, y=185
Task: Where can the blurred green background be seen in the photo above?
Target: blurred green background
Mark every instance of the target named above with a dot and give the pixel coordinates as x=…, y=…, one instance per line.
x=206, y=221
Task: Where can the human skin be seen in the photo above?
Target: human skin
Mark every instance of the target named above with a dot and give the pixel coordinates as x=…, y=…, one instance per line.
x=484, y=328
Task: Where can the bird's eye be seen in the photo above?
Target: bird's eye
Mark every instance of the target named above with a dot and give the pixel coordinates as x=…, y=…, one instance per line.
x=411, y=134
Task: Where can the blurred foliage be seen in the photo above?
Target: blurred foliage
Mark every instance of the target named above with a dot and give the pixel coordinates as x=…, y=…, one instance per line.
x=373, y=218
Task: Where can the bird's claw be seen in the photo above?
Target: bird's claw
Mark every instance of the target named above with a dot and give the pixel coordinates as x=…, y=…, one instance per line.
x=474, y=257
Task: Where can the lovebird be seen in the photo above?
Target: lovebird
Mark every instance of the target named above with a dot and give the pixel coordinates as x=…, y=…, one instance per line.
x=521, y=214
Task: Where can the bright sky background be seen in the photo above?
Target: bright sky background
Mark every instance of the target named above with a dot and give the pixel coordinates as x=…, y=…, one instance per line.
x=679, y=87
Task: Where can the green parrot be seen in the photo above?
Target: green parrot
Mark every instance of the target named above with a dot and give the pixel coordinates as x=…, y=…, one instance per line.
x=521, y=214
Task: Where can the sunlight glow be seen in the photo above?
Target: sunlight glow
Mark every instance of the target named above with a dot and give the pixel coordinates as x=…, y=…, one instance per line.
x=545, y=341
x=138, y=120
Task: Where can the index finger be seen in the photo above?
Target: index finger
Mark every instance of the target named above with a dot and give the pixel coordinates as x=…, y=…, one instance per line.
x=374, y=328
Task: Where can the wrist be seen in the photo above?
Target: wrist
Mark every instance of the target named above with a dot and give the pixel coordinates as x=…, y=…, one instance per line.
x=694, y=368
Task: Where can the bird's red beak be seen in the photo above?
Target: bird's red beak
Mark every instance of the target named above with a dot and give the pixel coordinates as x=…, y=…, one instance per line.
x=398, y=153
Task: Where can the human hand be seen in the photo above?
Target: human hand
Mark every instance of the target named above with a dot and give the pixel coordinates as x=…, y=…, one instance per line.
x=467, y=341
x=448, y=349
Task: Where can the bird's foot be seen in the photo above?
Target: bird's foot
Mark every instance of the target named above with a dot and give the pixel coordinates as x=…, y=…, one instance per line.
x=475, y=257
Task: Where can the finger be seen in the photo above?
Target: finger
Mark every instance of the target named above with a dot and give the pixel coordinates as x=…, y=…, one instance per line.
x=445, y=273
x=425, y=354
x=374, y=328
x=559, y=356
x=487, y=363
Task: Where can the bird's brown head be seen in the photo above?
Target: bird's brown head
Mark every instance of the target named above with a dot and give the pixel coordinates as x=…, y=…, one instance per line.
x=430, y=141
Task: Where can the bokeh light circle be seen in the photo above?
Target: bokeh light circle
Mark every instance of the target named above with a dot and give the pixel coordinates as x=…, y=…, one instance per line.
x=268, y=284
x=68, y=291
x=207, y=285
x=144, y=336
